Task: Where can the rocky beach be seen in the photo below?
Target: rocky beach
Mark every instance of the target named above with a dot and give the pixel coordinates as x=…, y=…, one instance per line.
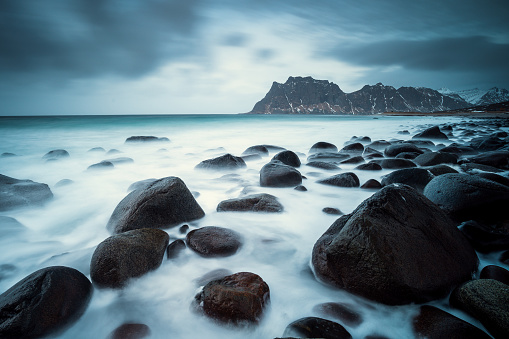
x=255, y=227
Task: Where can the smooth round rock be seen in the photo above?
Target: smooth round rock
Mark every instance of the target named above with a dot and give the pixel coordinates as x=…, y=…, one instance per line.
x=371, y=166
x=44, y=303
x=313, y=327
x=15, y=193
x=258, y=149
x=431, y=133
x=143, y=138
x=418, y=178
x=175, y=248
x=496, y=273
x=393, y=150
x=435, y=158
x=277, y=174
x=355, y=147
x=235, y=299
x=348, y=179
x=213, y=241
x=371, y=184
x=127, y=255
x=56, y=154
x=323, y=146
x=252, y=203
x=341, y=311
x=226, y=161
x=103, y=165
x=288, y=158
x=323, y=165
x=395, y=163
x=130, y=331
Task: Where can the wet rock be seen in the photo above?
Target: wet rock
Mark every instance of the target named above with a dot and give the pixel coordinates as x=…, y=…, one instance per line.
x=127, y=255
x=466, y=197
x=175, y=248
x=396, y=247
x=341, y=311
x=183, y=229
x=458, y=150
x=472, y=168
x=216, y=274
x=328, y=157
x=487, y=300
x=288, y=158
x=323, y=146
x=277, y=174
x=56, y=154
x=274, y=148
x=323, y=165
x=120, y=160
x=142, y=138
x=301, y=188
x=496, y=273
x=130, y=331
x=7, y=155
x=435, y=158
x=440, y=169
x=407, y=155
x=140, y=184
x=348, y=179
x=16, y=193
x=354, y=160
x=395, y=163
x=368, y=151
x=393, y=150
x=485, y=238
x=213, y=241
x=432, y=322
x=258, y=149
x=236, y=299
x=489, y=143
x=431, y=133
x=97, y=149
x=251, y=157
x=371, y=166
x=372, y=184
x=103, y=165
x=332, y=210
x=418, y=178
x=226, y=161
x=313, y=327
x=63, y=182
x=494, y=177
x=251, y=203
x=165, y=203
x=379, y=145
x=498, y=159
x=45, y=302
x=356, y=147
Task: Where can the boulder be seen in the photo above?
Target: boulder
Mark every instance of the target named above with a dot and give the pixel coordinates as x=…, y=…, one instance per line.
x=494, y=177
x=484, y=237
x=44, y=303
x=175, y=248
x=15, y=193
x=323, y=165
x=301, y=188
x=7, y=155
x=127, y=255
x=379, y=145
x=235, y=299
x=97, y=149
x=353, y=160
x=103, y=165
x=396, y=247
x=371, y=166
x=140, y=184
x=288, y=158
x=407, y=155
x=164, y=203
x=56, y=154
x=466, y=197
x=348, y=179
x=277, y=174
x=226, y=161
x=496, y=273
x=332, y=210
x=372, y=184
x=458, y=150
x=395, y=163
x=432, y=322
x=341, y=311
x=120, y=160
x=142, y=138
x=435, y=158
x=356, y=147
x=431, y=133
x=213, y=241
x=498, y=159
x=472, y=168
x=130, y=331
x=418, y=178
x=489, y=143
x=393, y=150
x=323, y=146
x=258, y=149
x=440, y=169
x=313, y=327
x=487, y=300
x=251, y=203
x=328, y=157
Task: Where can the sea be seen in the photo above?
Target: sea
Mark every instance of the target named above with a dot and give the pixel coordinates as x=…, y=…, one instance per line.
x=276, y=246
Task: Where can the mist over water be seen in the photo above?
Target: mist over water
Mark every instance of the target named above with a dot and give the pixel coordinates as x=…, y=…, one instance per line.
x=66, y=230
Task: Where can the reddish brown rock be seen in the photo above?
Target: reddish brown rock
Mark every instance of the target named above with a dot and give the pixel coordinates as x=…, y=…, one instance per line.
x=213, y=241
x=130, y=331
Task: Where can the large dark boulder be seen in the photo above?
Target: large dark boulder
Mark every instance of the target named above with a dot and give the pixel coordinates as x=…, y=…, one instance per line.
x=489, y=143
x=498, y=159
x=431, y=133
x=323, y=146
x=393, y=150
x=213, y=241
x=258, y=149
x=251, y=203
x=486, y=238
x=143, y=138
x=127, y=255
x=15, y=193
x=277, y=174
x=45, y=302
x=487, y=300
x=432, y=322
x=466, y=197
x=164, y=203
x=348, y=179
x=288, y=158
x=235, y=299
x=226, y=161
x=313, y=327
x=496, y=273
x=356, y=148
x=418, y=178
x=396, y=247
x=435, y=158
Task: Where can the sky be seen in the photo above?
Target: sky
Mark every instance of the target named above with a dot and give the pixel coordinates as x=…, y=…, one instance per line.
x=221, y=56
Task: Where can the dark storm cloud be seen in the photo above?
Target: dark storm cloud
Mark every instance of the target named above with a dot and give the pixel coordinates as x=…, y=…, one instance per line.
x=84, y=38
x=478, y=54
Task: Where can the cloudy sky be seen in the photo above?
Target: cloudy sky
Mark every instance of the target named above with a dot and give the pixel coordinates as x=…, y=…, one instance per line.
x=221, y=56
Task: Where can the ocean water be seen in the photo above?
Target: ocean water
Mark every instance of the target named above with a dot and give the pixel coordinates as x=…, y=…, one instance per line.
x=66, y=230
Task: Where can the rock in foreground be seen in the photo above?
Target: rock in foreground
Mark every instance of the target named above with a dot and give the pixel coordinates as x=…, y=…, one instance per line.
x=238, y=298
x=164, y=203
x=396, y=247
x=15, y=193
x=127, y=255
x=277, y=174
x=45, y=302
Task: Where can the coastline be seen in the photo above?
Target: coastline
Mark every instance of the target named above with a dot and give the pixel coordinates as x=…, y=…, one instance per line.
x=490, y=115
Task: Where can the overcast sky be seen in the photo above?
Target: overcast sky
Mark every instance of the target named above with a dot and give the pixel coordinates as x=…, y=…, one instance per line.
x=221, y=56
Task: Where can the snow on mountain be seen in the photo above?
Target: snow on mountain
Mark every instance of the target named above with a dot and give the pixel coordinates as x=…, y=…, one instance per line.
x=476, y=96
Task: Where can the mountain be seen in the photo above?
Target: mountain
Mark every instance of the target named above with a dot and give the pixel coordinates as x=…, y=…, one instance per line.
x=478, y=96
x=499, y=107
x=305, y=95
